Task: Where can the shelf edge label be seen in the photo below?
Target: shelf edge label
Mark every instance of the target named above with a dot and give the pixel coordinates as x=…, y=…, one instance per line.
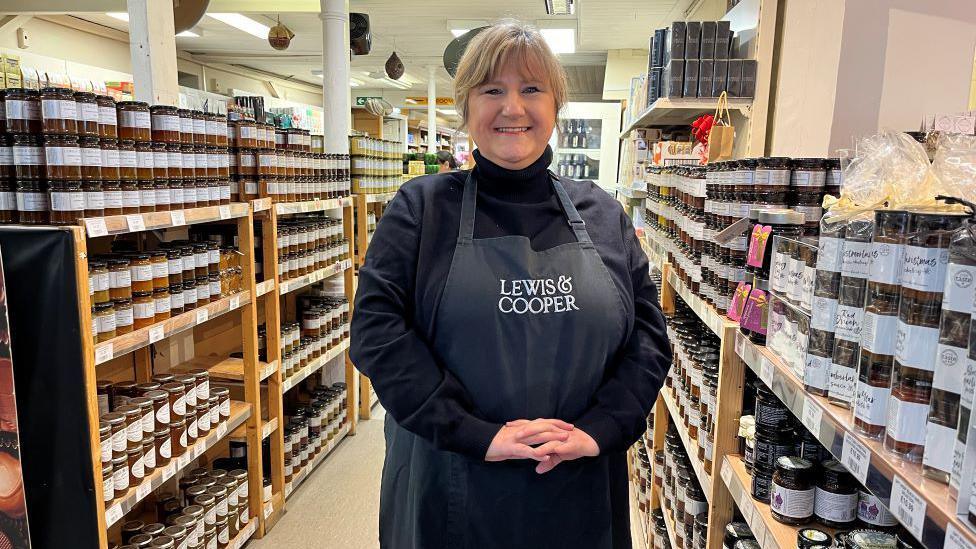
x=908, y=507
x=856, y=457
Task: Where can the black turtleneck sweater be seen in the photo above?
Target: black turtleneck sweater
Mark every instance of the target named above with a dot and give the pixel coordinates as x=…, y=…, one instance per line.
x=401, y=283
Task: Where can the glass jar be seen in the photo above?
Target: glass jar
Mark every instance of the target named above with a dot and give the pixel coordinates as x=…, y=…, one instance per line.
x=67, y=202
x=86, y=106
x=189, y=194
x=59, y=114
x=105, y=321
x=33, y=203
x=28, y=157
x=135, y=122
x=147, y=196
x=836, y=496
x=176, y=194
x=62, y=157
x=189, y=294
x=792, y=492
x=178, y=440
x=165, y=121
x=120, y=475
x=161, y=195
x=123, y=316
x=143, y=309
x=160, y=162
x=111, y=159
x=91, y=158
x=176, y=299
x=107, y=117
x=120, y=278
x=23, y=111
x=199, y=121
x=140, y=265
x=112, y=194
x=98, y=280
x=128, y=160
x=144, y=161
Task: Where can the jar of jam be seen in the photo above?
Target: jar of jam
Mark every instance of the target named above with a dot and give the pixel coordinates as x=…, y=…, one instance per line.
x=113, y=197
x=107, y=117
x=165, y=121
x=28, y=157
x=91, y=159
x=111, y=160
x=59, y=114
x=199, y=119
x=161, y=303
x=33, y=203
x=128, y=160
x=120, y=278
x=63, y=157
x=86, y=106
x=143, y=309
x=123, y=316
x=67, y=202
x=189, y=294
x=836, y=496
x=120, y=475
x=23, y=110
x=178, y=441
x=792, y=492
x=104, y=321
x=140, y=265
x=147, y=196
x=145, y=165
x=135, y=122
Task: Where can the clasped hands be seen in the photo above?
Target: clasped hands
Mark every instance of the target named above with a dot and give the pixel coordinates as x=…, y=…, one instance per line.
x=548, y=441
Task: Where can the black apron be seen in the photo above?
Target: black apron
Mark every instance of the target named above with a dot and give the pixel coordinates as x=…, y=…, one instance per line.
x=529, y=334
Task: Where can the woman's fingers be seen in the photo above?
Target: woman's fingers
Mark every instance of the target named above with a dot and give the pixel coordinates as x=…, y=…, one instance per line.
x=546, y=466
x=546, y=449
x=541, y=426
x=542, y=438
x=517, y=423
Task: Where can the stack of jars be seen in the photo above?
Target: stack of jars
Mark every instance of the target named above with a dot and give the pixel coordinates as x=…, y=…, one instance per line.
x=133, y=290
x=324, y=325
x=279, y=164
x=643, y=476
x=377, y=165
x=684, y=499
x=694, y=378
x=145, y=425
x=307, y=244
x=313, y=425
x=209, y=511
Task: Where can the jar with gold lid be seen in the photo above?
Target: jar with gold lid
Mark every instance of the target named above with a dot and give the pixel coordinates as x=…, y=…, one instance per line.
x=135, y=122
x=59, y=114
x=86, y=106
x=123, y=316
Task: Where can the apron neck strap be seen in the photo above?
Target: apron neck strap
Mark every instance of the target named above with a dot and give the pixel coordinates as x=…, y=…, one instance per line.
x=470, y=198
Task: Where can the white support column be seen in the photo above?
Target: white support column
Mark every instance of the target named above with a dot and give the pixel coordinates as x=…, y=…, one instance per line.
x=335, y=70
x=152, y=43
x=431, y=109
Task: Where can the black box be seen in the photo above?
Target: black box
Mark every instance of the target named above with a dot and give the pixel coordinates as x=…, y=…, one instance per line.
x=705, y=71
x=672, y=79
x=748, y=82
x=723, y=38
x=654, y=85
x=675, y=42
x=734, y=86
x=720, y=76
x=693, y=40
x=657, y=48
x=708, y=40
x=691, y=78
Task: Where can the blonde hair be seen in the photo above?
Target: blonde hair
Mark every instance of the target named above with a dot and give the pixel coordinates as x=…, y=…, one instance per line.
x=492, y=48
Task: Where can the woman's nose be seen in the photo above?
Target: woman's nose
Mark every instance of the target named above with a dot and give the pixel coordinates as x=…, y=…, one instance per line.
x=514, y=105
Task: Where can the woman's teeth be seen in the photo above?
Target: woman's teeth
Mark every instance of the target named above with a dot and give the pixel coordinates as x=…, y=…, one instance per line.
x=512, y=130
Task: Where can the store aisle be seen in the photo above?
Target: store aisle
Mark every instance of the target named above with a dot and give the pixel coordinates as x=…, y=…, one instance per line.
x=338, y=506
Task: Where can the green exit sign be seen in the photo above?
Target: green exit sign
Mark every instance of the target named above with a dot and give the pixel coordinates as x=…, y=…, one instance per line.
x=361, y=100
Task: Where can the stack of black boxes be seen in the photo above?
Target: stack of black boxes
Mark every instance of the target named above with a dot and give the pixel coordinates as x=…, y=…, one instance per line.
x=696, y=59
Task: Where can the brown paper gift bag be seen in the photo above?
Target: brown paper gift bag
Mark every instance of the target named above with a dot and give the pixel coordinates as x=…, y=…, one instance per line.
x=721, y=138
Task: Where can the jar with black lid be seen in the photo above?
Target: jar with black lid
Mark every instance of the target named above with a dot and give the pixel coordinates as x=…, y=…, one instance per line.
x=59, y=113
x=107, y=117
x=871, y=539
x=836, y=496
x=28, y=157
x=86, y=107
x=135, y=122
x=792, y=492
x=736, y=532
x=807, y=538
x=23, y=110
x=33, y=203
x=67, y=202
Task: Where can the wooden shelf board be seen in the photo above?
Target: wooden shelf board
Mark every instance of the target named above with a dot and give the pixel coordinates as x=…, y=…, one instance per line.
x=264, y=287
x=691, y=444
x=668, y=522
x=315, y=366
x=300, y=477
x=679, y=111
x=228, y=368
x=261, y=204
x=244, y=535
x=114, y=511
x=123, y=224
x=833, y=427
x=715, y=321
x=288, y=208
x=143, y=337
x=293, y=284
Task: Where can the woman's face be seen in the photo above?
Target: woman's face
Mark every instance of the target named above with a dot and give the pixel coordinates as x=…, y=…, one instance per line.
x=511, y=117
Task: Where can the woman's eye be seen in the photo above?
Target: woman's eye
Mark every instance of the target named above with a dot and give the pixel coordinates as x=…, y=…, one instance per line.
x=493, y=91
x=531, y=89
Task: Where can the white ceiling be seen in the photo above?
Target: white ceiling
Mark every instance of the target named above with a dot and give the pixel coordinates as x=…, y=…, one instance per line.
x=419, y=30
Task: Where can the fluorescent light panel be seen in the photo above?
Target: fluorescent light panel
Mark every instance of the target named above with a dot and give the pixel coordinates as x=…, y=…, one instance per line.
x=124, y=16
x=396, y=83
x=187, y=34
x=240, y=22
x=560, y=7
x=458, y=32
x=448, y=112
x=560, y=40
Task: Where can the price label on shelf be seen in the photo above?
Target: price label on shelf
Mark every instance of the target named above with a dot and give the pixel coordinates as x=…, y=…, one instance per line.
x=202, y=316
x=104, y=353
x=177, y=217
x=143, y=490
x=235, y=302
x=856, y=457
x=169, y=471
x=907, y=506
x=113, y=514
x=766, y=371
x=812, y=414
x=268, y=509
x=156, y=333
x=224, y=212
x=726, y=473
x=740, y=344
x=183, y=461
x=954, y=539
x=222, y=430
x=135, y=222
x=96, y=227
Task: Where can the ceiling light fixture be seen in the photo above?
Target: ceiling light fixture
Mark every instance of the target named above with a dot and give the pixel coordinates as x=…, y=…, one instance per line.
x=120, y=15
x=448, y=112
x=560, y=7
x=243, y=23
x=461, y=26
x=187, y=34
x=560, y=40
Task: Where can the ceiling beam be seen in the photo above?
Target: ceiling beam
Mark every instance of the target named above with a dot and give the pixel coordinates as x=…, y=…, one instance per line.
x=86, y=26
x=40, y=7
x=11, y=22
x=263, y=6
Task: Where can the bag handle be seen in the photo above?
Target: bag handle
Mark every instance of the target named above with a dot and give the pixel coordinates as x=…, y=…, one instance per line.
x=722, y=106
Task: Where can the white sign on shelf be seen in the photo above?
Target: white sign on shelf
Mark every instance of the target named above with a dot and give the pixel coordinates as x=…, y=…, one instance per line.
x=740, y=345
x=856, y=457
x=766, y=370
x=113, y=514
x=235, y=302
x=177, y=217
x=907, y=506
x=169, y=471
x=96, y=227
x=224, y=212
x=954, y=539
x=104, y=353
x=143, y=490
x=202, y=316
x=135, y=222
x=812, y=414
x=156, y=333
x=222, y=429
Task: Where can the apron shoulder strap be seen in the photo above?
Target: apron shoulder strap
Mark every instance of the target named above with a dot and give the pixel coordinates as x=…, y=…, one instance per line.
x=572, y=214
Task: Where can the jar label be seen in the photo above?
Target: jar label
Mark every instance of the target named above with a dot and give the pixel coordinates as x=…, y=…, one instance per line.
x=107, y=116
x=67, y=201
x=224, y=192
x=916, y=346
x=804, y=178
x=203, y=292
x=16, y=109
x=6, y=155
x=100, y=282
x=186, y=125
x=924, y=269
x=191, y=430
x=189, y=295
x=960, y=288
x=878, y=333
x=939, y=446
x=106, y=323
x=108, y=487
x=847, y=323
x=174, y=159
x=120, y=478
x=134, y=431
x=111, y=158
x=91, y=156
x=225, y=407
x=183, y=438
x=166, y=448
x=772, y=177
x=141, y=273
x=113, y=199
x=841, y=384
x=213, y=193
x=199, y=126
x=89, y=112
x=215, y=416
x=28, y=156
x=120, y=279
x=32, y=202
x=201, y=259
x=835, y=507
x=144, y=310
x=215, y=288
x=162, y=304
x=174, y=266
x=144, y=159
x=136, y=119
x=872, y=511
x=176, y=195
x=160, y=270
x=139, y=468
x=147, y=197
x=149, y=457
x=886, y=262
x=213, y=160
x=856, y=259
x=148, y=423
x=166, y=122
x=796, y=504
x=906, y=420
x=176, y=301
x=223, y=536
x=815, y=372
x=777, y=270
x=127, y=159
x=246, y=160
x=871, y=404
x=951, y=369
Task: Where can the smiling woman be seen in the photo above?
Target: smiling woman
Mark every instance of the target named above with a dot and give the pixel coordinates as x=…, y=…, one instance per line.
x=509, y=326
